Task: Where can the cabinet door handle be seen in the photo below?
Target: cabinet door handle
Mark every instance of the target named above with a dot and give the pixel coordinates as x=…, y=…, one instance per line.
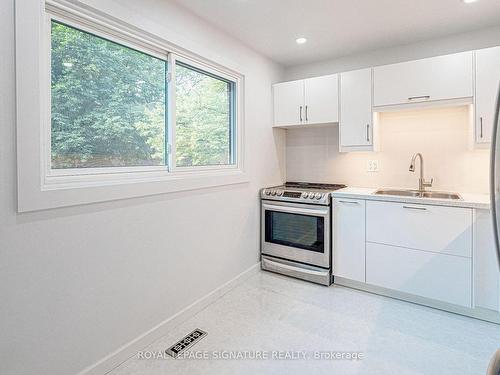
x=349, y=202
x=306, y=114
x=426, y=97
x=300, y=113
x=415, y=208
x=480, y=127
x=368, y=132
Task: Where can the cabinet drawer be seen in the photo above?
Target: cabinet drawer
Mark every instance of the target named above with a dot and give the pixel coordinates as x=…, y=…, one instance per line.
x=441, y=277
x=438, y=229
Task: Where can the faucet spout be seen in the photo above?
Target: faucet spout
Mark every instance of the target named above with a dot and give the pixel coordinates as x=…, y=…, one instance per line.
x=414, y=159
x=422, y=183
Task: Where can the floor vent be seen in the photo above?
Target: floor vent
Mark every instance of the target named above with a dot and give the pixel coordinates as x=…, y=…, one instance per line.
x=186, y=342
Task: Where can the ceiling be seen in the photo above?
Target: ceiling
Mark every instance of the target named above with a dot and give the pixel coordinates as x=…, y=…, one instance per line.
x=337, y=28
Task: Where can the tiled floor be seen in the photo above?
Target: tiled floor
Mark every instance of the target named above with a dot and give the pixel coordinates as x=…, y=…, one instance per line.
x=273, y=313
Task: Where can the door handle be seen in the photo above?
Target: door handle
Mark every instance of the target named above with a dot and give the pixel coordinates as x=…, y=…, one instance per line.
x=306, y=114
x=295, y=210
x=415, y=208
x=368, y=132
x=494, y=166
x=426, y=97
x=300, y=113
x=349, y=202
x=480, y=127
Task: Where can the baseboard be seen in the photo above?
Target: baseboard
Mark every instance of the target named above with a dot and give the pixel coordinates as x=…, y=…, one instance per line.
x=477, y=313
x=130, y=349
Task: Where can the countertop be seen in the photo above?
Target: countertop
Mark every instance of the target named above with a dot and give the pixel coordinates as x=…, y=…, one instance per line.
x=479, y=201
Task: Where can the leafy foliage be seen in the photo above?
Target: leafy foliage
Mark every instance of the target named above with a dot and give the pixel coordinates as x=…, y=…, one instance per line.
x=108, y=102
x=109, y=107
x=202, y=116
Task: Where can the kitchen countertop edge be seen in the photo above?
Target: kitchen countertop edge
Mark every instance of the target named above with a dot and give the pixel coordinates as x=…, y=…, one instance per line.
x=469, y=200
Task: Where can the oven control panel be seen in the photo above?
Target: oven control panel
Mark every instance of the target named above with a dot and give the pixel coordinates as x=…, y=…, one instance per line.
x=311, y=197
x=292, y=194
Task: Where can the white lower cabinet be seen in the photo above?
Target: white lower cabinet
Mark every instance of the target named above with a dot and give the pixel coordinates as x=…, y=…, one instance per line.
x=349, y=239
x=441, y=277
x=430, y=253
x=419, y=249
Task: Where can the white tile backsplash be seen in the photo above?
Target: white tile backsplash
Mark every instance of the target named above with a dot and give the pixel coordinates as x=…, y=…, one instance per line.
x=442, y=135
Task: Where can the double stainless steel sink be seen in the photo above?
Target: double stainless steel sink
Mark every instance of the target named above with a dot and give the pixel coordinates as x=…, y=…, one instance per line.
x=419, y=194
x=422, y=184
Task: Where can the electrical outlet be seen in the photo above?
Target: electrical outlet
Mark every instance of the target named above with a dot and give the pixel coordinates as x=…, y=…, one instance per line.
x=372, y=166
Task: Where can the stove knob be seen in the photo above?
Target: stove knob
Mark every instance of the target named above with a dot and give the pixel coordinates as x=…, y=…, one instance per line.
x=318, y=196
x=273, y=193
x=279, y=193
x=267, y=192
x=311, y=195
x=305, y=195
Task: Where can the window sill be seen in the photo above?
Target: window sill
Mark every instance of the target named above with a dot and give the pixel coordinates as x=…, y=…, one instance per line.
x=63, y=191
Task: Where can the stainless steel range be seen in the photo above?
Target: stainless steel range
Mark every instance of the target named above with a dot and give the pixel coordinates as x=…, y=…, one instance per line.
x=296, y=230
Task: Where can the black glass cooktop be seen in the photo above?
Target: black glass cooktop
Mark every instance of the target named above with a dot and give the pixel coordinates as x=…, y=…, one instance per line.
x=313, y=186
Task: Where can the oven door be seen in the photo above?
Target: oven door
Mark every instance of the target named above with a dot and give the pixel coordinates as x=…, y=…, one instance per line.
x=298, y=232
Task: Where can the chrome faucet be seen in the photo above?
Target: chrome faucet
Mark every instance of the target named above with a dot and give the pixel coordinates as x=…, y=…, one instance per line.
x=422, y=184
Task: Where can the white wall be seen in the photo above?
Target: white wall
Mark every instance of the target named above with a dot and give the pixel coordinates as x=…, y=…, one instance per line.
x=79, y=282
x=441, y=135
x=455, y=43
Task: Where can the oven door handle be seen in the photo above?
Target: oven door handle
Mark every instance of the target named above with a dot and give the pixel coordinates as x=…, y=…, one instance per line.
x=295, y=210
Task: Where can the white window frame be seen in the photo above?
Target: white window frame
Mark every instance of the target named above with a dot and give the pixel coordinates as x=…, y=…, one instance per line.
x=172, y=121
x=40, y=186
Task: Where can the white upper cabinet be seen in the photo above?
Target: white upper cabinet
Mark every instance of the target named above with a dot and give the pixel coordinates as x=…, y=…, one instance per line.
x=356, y=127
x=288, y=103
x=433, y=79
x=487, y=80
x=321, y=99
x=309, y=101
x=354, y=99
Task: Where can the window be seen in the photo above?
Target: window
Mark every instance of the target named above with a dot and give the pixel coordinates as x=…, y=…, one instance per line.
x=108, y=111
x=109, y=107
x=108, y=103
x=204, y=118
